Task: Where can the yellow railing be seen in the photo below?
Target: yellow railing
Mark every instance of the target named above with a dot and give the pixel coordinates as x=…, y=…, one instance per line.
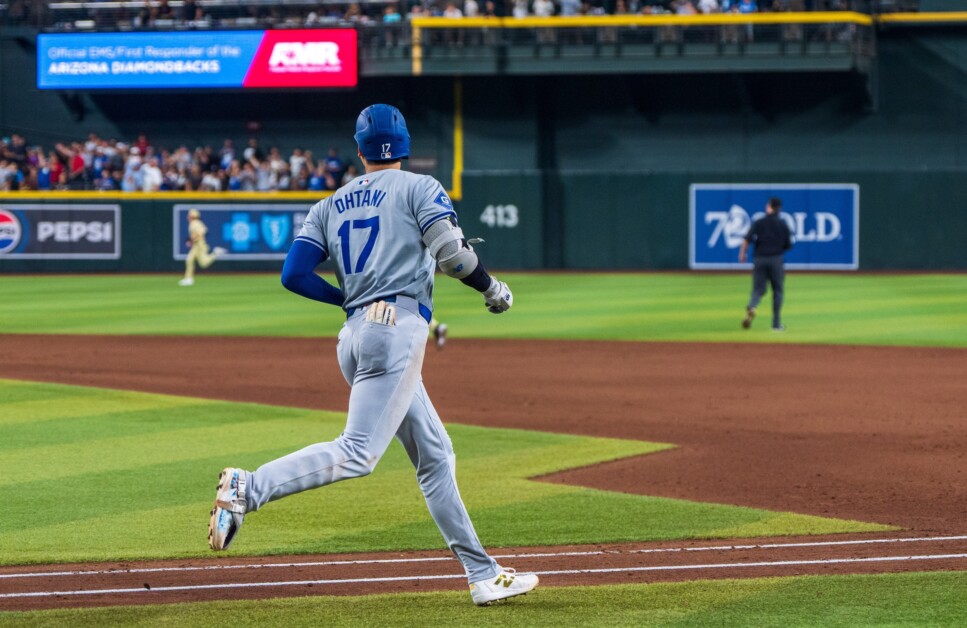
x=927, y=17
x=718, y=19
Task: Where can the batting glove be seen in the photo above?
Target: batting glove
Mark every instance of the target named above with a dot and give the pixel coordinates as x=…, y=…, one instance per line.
x=498, y=296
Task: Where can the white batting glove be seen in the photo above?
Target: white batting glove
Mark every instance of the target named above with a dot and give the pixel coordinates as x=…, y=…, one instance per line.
x=498, y=296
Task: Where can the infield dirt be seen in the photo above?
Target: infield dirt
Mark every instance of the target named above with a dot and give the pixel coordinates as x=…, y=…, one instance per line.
x=868, y=433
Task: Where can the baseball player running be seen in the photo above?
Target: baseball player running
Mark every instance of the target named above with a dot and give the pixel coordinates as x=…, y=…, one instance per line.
x=385, y=230
x=199, y=248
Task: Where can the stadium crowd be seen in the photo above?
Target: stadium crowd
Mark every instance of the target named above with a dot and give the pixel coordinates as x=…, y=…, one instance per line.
x=109, y=164
x=194, y=14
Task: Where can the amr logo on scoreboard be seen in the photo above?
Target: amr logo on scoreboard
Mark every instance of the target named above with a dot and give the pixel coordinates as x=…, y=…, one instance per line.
x=823, y=220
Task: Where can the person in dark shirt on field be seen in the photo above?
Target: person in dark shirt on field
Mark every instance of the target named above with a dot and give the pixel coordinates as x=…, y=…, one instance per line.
x=771, y=237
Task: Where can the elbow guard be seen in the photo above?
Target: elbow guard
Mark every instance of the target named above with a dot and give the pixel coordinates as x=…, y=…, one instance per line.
x=449, y=248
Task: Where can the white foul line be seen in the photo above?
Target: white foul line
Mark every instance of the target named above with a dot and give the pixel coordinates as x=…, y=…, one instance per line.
x=197, y=587
x=377, y=561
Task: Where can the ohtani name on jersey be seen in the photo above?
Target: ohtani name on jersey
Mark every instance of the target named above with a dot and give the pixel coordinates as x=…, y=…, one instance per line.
x=359, y=198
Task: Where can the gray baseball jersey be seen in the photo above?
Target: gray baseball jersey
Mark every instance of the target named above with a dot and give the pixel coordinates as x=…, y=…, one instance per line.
x=372, y=228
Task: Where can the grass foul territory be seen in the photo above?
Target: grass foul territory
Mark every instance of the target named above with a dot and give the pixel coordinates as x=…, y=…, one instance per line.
x=138, y=472
x=917, y=310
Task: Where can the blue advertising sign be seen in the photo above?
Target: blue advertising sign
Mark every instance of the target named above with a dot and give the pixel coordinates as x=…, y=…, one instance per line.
x=247, y=232
x=326, y=57
x=824, y=220
x=126, y=60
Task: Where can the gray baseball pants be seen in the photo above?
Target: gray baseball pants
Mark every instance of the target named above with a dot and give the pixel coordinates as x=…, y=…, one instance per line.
x=768, y=269
x=383, y=365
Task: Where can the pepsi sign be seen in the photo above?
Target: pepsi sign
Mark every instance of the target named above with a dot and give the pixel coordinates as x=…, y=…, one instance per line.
x=823, y=219
x=10, y=231
x=60, y=231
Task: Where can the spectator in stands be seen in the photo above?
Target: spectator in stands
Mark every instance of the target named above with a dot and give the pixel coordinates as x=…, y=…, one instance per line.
x=391, y=15
x=471, y=8
x=44, y=180
x=201, y=19
x=143, y=144
x=263, y=175
x=131, y=181
x=283, y=178
x=146, y=15
x=707, y=7
x=334, y=165
x=252, y=151
x=204, y=157
x=165, y=12
x=297, y=161
x=210, y=182
x=543, y=8
x=174, y=179
x=76, y=168
x=188, y=10
x=353, y=13
x=520, y=9
x=151, y=175
x=276, y=162
x=226, y=155
x=58, y=175
x=247, y=177
x=104, y=181
x=193, y=177
x=351, y=173
x=684, y=7
x=10, y=176
x=451, y=11
x=416, y=11
x=182, y=158
x=570, y=8
x=15, y=151
x=317, y=181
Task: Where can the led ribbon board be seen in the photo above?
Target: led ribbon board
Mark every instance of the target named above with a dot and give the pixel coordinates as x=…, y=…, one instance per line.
x=216, y=59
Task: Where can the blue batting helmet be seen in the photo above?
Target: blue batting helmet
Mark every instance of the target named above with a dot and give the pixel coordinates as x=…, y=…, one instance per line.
x=381, y=133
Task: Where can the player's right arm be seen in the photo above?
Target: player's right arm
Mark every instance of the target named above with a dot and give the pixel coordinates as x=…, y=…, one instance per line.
x=308, y=251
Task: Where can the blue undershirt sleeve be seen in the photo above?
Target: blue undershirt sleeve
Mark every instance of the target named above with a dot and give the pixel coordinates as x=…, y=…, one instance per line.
x=298, y=274
x=479, y=279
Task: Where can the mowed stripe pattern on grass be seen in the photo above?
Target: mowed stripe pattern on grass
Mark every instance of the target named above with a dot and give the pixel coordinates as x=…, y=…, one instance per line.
x=841, y=308
x=132, y=476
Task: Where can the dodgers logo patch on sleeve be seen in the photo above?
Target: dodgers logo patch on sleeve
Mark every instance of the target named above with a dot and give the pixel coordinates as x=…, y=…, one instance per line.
x=443, y=201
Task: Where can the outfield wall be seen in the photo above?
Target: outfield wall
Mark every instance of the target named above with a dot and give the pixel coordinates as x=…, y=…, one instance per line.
x=615, y=221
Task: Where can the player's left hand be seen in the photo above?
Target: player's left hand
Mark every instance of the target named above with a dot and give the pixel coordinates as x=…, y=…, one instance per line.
x=498, y=297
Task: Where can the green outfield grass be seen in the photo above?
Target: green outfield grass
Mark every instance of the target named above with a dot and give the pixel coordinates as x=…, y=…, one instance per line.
x=922, y=599
x=89, y=474
x=928, y=310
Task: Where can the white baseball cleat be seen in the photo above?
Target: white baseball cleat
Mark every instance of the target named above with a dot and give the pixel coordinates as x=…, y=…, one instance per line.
x=186, y=282
x=228, y=513
x=219, y=250
x=440, y=333
x=507, y=583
